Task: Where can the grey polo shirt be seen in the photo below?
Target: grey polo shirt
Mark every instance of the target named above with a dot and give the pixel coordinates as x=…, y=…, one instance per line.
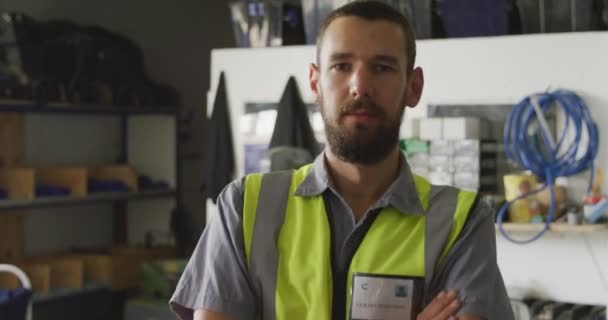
x=216, y=276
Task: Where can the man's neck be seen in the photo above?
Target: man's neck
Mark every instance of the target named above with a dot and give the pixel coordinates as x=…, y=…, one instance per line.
x=362, y=185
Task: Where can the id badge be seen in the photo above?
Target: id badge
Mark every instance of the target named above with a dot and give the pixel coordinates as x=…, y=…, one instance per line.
x=385, y=297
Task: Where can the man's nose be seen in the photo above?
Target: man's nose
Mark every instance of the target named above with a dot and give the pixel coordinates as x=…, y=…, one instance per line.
x=361, y=85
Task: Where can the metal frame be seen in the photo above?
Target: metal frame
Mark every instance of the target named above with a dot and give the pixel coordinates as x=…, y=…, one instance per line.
x=62, y=108
x=120, y=199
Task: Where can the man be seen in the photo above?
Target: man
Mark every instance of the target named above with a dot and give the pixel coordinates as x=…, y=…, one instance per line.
x=355, y=235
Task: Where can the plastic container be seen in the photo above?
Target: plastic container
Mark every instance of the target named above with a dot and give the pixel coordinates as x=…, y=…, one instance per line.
x=314, y=12
x=418, y=159
x=442, y=147
x=440, y=163
x=466, y=147
x=604, y=17
x=467, y=18
x=466, y=180
x=257, y=24
x=240, y=28
x=418, y=12
x=561, y=15
x=441, y=178
x=466, y=164
x=523, y=210
x=274, y=16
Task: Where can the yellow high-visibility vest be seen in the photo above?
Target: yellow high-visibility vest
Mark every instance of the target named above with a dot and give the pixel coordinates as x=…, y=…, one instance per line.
x=288, y=243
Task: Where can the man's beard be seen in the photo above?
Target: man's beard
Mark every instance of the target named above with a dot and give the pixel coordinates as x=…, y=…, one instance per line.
x=363, y=144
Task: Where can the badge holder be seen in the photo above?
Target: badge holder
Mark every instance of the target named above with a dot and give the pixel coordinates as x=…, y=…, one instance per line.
x=385, y=297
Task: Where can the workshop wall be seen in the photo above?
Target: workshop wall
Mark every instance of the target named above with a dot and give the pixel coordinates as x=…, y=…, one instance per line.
x=570, y=266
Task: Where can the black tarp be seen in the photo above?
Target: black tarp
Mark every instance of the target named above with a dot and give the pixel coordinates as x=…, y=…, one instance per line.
x=219, y=152
x=292, y=127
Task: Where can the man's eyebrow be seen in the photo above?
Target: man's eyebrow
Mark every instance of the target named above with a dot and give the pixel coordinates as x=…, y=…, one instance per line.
x=379, y=57
x=387, y=59
x=340, y=56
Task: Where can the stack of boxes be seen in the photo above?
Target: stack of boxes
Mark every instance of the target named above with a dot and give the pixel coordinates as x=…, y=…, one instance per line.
x=417, y=154
x=462, y=152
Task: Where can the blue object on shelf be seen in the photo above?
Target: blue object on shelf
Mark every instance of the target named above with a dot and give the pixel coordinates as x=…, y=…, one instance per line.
x=474, y=18
x=13, y=303
x=3, y=194
x=97, y=185
x=52, y=191
x=146, y=183
x=597, y=211
x=314, y=12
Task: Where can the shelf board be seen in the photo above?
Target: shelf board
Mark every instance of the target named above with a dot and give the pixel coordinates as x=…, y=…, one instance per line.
x=20, y=106
x=98, y=197
x=554, y=227
x=67, y=293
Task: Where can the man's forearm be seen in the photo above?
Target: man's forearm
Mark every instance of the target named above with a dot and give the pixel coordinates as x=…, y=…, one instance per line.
x=209, y=315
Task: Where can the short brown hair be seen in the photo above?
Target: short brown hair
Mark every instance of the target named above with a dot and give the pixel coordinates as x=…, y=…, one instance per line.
x=374, y=10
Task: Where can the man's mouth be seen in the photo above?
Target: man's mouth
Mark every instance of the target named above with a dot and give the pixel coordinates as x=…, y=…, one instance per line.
x=362, y=114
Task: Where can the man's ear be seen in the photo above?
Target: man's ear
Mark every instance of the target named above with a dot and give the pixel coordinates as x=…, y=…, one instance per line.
x=313, y=80
x=415, y=83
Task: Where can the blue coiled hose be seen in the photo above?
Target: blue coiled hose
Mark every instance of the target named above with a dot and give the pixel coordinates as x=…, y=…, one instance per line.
x=529, y=142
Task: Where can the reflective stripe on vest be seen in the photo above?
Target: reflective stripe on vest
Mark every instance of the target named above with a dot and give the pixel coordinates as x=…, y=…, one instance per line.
x=287, y=243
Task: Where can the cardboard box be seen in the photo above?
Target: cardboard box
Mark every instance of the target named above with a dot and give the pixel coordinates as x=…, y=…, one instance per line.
x=123, y=173
x=460, y=128
x=431, y=128
x=18, y=182
x=115, y=271
x=12, y=142
x=8, y=281
x=40, y=277
x=11, y=237
x=74, y=178
x=121, y=268
x=66, y=271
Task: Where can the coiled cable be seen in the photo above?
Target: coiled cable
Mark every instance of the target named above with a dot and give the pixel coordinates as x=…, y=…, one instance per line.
x=529, y=142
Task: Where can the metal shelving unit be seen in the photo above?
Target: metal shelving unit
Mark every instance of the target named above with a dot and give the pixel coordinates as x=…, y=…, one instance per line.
x=97, y=197
x=119, y=199
x=66, y=109
x=554, y=227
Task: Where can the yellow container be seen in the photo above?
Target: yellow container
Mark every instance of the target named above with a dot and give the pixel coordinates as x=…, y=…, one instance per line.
x=523, y=210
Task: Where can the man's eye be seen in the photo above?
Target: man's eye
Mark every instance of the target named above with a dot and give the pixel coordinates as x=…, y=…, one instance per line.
x=382, y=68
x=341, y=67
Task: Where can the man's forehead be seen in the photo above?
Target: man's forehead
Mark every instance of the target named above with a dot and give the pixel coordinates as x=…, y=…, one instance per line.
x=364, y=37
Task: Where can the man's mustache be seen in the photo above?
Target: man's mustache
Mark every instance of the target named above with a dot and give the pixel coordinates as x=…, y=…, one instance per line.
x=361, y=106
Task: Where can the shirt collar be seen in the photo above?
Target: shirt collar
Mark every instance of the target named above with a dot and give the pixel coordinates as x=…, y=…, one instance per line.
x=317, y=180
x=401, y=194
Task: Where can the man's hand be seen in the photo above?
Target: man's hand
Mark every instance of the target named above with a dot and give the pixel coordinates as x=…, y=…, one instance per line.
x=442, y=307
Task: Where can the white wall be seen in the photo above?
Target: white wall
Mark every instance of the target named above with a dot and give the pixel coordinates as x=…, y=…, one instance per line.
x=570, y=267
x=499, y=70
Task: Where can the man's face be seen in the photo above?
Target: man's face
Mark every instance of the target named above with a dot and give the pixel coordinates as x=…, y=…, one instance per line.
x=362, y=88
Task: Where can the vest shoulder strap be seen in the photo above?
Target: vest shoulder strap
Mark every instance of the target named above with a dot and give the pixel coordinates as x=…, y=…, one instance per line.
x=265, y=218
